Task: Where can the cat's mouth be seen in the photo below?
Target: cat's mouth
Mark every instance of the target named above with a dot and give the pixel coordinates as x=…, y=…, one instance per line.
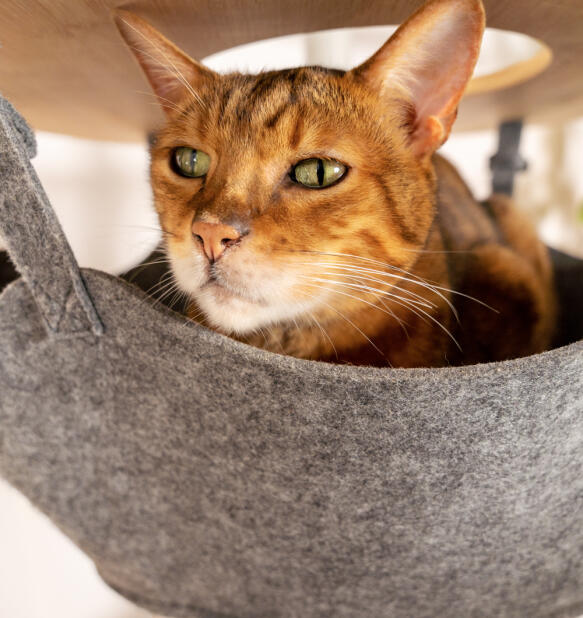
x=222, y=292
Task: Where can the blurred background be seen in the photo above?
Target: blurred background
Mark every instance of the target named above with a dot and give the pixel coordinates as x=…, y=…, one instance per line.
x=101, y=195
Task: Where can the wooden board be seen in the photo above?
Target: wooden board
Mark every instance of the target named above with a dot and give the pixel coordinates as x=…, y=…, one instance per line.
x=63, y=64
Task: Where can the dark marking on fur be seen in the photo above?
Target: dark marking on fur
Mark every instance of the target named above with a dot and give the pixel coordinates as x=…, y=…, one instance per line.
x=274, y=118
x=409, y=233
x=296, y=135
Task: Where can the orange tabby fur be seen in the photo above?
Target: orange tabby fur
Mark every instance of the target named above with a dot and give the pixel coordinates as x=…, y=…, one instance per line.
x=377, y=268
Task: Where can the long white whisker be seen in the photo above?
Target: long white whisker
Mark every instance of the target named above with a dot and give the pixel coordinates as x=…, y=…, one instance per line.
x=417, y=281
x=374, y=290
x=430, y=284
x=367, y=277
x=401, y=323
x=324, y=332
x=356, y=327
x=412, y=309
x=357, y=269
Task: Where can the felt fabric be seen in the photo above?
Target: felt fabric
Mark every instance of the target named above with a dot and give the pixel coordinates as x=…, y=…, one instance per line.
x=33, y=235
x=209, y=479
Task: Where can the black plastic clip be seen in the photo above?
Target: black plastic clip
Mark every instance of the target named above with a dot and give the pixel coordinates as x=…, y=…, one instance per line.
x=507, y=161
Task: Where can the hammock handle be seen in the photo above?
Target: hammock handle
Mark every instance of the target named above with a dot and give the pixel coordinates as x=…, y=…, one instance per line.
x=35, y=240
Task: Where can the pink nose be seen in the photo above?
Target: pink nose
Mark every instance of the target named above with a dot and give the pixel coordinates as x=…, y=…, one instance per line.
x=215, y=237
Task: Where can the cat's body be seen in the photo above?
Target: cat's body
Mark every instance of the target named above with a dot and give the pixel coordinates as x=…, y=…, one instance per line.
x=305, y=212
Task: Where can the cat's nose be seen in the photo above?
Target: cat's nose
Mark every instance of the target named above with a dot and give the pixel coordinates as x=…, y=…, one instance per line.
x=215, y=237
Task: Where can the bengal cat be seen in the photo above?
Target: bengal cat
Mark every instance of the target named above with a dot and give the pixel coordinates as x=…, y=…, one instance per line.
x=305, y=212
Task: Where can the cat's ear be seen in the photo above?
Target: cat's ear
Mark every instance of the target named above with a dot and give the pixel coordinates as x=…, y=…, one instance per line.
x=171, y=73
x=429, y=61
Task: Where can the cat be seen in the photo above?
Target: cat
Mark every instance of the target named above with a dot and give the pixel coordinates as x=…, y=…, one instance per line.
x=305, y=211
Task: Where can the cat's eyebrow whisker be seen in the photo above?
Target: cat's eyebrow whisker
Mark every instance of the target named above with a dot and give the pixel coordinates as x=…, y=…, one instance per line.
x=153, y=103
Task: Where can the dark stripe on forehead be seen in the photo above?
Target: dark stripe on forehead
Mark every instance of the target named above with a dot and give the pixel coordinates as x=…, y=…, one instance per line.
x=297, y=132
x=274, y=118
x=224, y=102
x=264, y=83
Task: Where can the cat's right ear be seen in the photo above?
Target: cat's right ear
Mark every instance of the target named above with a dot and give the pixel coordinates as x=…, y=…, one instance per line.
x=172, y=74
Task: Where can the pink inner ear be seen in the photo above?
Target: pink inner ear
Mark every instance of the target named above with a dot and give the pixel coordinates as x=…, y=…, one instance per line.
x=430, y=60
x=435, y=62
x=444, y=65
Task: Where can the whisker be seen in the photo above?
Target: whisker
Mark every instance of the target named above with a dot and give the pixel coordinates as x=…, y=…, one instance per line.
x=145, y=227
x=262, y=332
x=163, y=280
x=141, y=267
x=410, y=308
x=402, y=304
x=374, y=279
x=436, y=251
x=323, y=331
x=433, y=285
x=417, y=281
x=401, y=323
x=356, y=327
x=373, y=290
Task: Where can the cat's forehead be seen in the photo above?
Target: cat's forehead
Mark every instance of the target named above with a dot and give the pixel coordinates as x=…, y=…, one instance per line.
x=239, y=101
x=307, y=84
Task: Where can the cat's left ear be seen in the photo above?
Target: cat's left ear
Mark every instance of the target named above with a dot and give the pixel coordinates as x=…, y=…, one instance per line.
x=172, y=74
x=428, y=63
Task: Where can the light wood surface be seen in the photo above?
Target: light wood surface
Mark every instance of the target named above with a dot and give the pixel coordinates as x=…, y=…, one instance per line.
x=63, y=64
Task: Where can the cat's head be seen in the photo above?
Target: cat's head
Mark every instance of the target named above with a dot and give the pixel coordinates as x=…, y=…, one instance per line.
x=276, y=190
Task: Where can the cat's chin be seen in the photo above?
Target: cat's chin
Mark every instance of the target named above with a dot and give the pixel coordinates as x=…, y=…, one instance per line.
x=233, y=313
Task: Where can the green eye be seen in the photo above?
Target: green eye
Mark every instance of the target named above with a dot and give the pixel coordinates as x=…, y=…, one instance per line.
x=317, y=173
x=190, y=162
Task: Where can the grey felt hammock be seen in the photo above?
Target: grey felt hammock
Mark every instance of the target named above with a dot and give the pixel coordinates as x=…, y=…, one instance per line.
x=210, y=479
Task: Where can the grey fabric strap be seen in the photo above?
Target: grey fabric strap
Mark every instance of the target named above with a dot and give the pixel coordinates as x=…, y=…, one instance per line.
x=34, y=238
